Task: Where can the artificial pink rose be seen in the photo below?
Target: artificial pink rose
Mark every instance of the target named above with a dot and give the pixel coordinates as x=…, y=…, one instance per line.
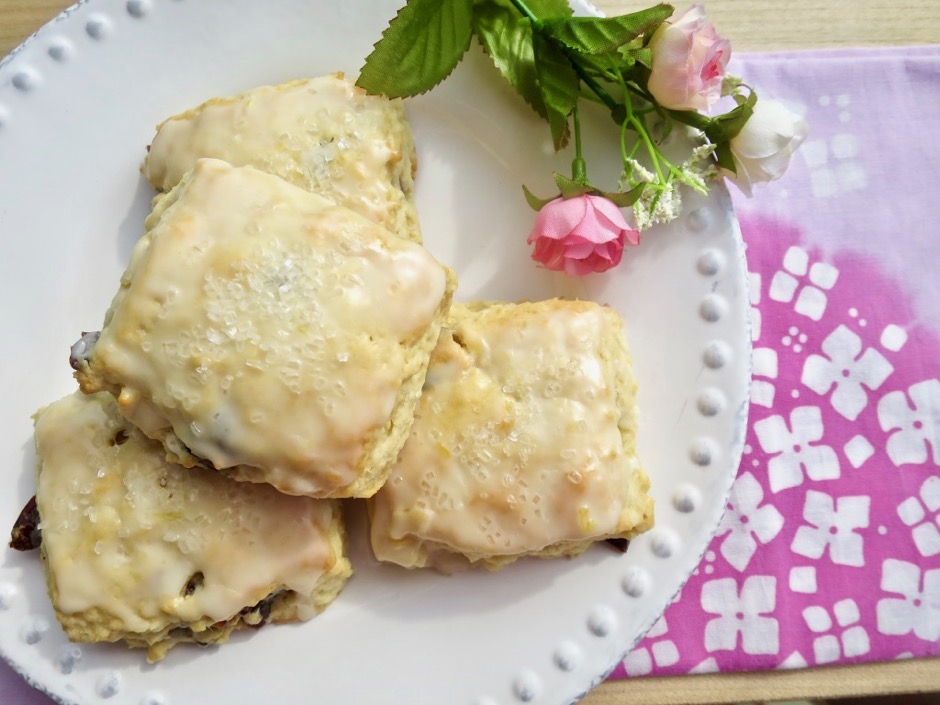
x=580, y=235
x=689, y=60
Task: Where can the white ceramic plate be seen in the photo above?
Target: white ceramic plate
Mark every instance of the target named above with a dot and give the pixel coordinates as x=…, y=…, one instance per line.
x=78, y=103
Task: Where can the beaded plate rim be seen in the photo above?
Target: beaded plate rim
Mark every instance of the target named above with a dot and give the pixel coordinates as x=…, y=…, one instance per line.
x=567, y=668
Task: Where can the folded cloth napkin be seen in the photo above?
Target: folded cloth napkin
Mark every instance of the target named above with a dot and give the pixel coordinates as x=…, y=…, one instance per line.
x=829, y=551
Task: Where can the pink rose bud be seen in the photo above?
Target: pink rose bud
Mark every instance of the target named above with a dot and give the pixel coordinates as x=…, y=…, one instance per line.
x=580, y=235
x=689, y=60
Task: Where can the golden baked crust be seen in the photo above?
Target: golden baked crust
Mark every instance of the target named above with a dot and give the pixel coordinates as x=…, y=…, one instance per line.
x=322, y=134
x=145, y=551
x=266, y=330
x=523, y=443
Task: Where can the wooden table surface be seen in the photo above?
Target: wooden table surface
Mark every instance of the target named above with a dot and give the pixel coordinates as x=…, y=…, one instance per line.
x=751, y=25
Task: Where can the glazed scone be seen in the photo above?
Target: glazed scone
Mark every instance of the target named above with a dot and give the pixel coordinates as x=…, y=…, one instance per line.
x=264, y=331
x=523, y=442
x=323, y=134
x=145, y=551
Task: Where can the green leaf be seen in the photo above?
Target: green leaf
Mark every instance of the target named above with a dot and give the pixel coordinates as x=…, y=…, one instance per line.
x=600, y=67
x=642, y=56
x=600, y=35
x=667, y=130
x=538, y=70
x=725, y=127
x=725, y=158
x=558, y=84
x=691, y=118
x=549, y=9
x=419, y=49
x=507, y=39
x=569, y=187
x=536, y=203
x=624, y=199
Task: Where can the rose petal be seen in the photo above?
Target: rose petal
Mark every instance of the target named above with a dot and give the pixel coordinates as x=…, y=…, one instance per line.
x=610, y=210
x=771, y=128
x=689, y=60
x=600, y=264
x=577, y=267
x=761, y=141
x=669, y=77
x=593, y=242
x=693, y=18
x=774, y=166
x=578, y=249
x=597, y=230
x=741, y=179
x=632, y=236
x=551, y=253
x=558, y=218
x=615, y=254
x=763, y=149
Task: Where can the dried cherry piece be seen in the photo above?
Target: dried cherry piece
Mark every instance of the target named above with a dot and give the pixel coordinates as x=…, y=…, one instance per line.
x=26, y=534
x=620, y=544
x=263, y=609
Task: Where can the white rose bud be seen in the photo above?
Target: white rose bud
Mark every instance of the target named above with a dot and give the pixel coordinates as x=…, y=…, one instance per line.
x=763, y=148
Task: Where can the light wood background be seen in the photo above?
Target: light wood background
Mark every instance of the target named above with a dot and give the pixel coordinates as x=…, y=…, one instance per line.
x=751, y=25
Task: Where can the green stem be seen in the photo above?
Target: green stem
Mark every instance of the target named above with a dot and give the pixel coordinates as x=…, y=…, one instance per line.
x=577, y=132
x=624, y=155
x=647, y=143
x=589, y=81
x=527, y=13
x=624, y=113
x=578, y=166
x=595, y=87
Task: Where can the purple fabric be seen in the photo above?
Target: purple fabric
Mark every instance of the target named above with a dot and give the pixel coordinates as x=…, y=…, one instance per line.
x=829, y=551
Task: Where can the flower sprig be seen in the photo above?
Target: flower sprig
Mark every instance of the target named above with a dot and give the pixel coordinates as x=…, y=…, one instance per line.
x=651, y=70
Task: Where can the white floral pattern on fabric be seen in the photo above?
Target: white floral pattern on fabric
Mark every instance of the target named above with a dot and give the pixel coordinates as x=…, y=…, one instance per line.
x=893, y=337
x=913, y=511
x=764, y=364
x=803, y=579
x=754, y=296
x=811, y=300
x=918, y=608
x=794, y=448
x=655, y=651
x=847, y=368
x=746, y=522
x=858, y=450
x=833, y=526
x=743, y=614
x=851, y=462
x=851, y=639
x=914, y=429
x=709, y=665
x=794, y=660
x=833, y=163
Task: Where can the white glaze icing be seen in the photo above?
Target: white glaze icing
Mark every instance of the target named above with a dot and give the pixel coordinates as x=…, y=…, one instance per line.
x=269, y=327
x=523, y=438
x=124, y=531
x=322, y=134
